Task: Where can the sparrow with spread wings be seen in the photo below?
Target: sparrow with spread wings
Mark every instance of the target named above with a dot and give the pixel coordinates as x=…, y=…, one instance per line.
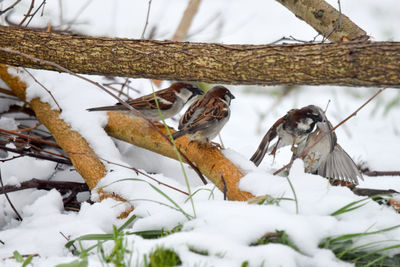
x=301, y=128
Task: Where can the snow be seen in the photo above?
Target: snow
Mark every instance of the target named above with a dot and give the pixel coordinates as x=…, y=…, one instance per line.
x=224, y=229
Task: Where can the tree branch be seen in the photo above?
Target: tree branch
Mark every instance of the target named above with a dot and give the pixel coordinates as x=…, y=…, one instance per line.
x=326, y=20
x=90, y=167
x=186, y=21
x=45, y=185
x=349, y=64
x=210, y=161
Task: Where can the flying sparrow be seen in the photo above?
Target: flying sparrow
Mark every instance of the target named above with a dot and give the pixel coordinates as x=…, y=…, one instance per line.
x=301, y=128
x=205, y=118
x=170, y=100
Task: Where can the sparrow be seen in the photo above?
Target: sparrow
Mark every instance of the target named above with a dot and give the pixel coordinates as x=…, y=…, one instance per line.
x=205, y=118
x=171, y=100
x=300, y=128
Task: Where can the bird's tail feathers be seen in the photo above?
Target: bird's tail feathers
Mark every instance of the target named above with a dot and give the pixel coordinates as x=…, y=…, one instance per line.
x=106, y=108
x=178, y=134
x=340, y=166
x=262, y=149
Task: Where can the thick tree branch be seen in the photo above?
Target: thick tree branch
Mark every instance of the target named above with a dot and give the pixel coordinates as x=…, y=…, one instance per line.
x=326, y=20
x=210, y=161
x=90, y=167
x=350, y=64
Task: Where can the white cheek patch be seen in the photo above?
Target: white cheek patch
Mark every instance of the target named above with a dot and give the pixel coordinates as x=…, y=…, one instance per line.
x=163, y=101
x=305, y=124
x=184, y=94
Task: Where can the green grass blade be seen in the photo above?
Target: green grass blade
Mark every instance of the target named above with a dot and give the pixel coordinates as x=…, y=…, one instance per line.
x=294, y=194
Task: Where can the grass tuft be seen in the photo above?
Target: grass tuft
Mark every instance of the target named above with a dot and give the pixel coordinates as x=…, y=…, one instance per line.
x=363, y=255
x=163, y=257
x=278, y=237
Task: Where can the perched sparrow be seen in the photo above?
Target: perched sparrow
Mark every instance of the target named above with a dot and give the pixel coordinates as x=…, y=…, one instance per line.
x=326, y=158
x=205, y=118
x=170, y=100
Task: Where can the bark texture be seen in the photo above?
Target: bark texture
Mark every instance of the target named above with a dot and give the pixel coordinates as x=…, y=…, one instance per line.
x=326, y=20
x=210, y=161
x=349, y=64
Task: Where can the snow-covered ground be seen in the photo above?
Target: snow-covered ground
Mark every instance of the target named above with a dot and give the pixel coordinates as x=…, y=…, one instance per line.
x=224, y=229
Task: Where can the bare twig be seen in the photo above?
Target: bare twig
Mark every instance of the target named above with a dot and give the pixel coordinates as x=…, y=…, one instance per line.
x=47, y=90
x=27, y=13
x=372, y=192
x=133, y=110
x=35, y=155
x=6, y=91
x=28, y=137
x=337, y=26
x=45, y=185
x=381, y=173
x=9, y=8
x=8, y=199
x=9, y=159
x=142, y=173
x=29, y=128
x=147, y=20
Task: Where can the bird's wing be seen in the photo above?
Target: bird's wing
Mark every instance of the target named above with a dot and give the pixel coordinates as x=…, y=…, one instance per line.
x=165, y=99
x=340, y=166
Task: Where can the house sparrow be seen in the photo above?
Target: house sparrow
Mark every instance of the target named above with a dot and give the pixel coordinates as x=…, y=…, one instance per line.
x=326, y=158
x=205, y=118
x=170, y=100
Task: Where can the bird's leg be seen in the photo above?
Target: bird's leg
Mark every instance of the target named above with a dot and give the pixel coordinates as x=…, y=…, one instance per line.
x=215, y=145
x=273, y=152
x=293, y=143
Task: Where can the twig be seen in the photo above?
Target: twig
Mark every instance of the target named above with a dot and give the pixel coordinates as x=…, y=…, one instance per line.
x=133, y=110
x=8, y=199
x=47, y=90
x=45, y=185
x=225, y=187
x=27, y=13
x=321, y=135
x=34, y=13
x=10, y=7
x=372, y=192
x=35, y=155
x=30, y=138
x=144, y=174
x=381, y=173
x=14, y=157
x=147, y=20
x=337, y=26
x=7, y=92
x=29, y=128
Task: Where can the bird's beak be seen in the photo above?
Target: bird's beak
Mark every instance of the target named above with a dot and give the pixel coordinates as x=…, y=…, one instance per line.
x=198, y=91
